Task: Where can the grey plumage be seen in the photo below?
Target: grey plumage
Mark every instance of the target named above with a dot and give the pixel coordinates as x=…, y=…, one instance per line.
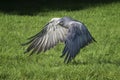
x=73, y=33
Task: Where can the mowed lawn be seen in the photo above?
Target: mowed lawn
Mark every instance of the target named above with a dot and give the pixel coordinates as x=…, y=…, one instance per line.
x=98, y=61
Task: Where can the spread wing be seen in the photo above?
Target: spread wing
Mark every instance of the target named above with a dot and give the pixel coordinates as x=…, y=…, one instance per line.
x=47, y=38
x=78, y=36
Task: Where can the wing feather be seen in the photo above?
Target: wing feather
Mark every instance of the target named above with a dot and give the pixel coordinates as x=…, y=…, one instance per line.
x=78, y=37
x=47, y=38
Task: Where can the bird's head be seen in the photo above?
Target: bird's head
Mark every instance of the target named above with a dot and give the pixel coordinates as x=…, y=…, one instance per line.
x=64, y=21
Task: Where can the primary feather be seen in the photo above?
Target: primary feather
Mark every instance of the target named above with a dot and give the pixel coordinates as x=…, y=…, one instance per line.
x=73, y=33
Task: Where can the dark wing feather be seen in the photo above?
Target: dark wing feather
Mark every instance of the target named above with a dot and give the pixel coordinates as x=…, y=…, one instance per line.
x=78, y=36
x=47, y=38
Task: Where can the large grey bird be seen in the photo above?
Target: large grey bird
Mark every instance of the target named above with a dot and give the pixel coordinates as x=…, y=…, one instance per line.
x=73, y=33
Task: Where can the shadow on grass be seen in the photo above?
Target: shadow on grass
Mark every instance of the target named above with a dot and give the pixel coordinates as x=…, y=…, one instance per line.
x=22, y=7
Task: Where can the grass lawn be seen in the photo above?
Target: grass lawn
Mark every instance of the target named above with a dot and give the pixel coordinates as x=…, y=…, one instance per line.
x=98, y=61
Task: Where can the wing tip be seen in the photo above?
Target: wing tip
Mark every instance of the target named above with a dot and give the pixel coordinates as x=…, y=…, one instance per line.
x=23, y=44
x=93, y=40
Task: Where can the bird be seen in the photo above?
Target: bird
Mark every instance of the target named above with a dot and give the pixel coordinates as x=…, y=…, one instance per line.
x=73, y=33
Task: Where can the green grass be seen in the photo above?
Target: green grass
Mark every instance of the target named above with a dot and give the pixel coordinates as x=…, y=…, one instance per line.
x=98, y=61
